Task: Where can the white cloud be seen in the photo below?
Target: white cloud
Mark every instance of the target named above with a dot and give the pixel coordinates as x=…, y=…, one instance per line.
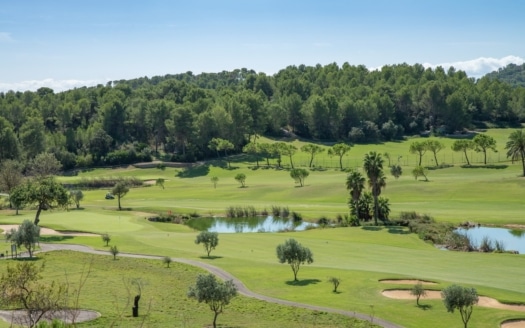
x=5, y=37
x=480, y=66
x=56, y=85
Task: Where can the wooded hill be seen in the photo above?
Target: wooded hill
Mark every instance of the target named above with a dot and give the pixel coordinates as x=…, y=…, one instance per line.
x=512, y=74
x=130, y=120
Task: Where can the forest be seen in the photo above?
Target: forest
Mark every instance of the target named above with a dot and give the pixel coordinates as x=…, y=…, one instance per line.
x=178, y=115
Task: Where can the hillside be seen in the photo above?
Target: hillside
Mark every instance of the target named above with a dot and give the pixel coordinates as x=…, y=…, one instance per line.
x=512, y=74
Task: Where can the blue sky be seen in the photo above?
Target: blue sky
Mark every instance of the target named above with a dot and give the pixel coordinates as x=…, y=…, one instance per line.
x=63, y=44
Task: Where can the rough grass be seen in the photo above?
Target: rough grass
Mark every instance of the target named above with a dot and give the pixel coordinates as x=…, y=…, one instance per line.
x=163, y=302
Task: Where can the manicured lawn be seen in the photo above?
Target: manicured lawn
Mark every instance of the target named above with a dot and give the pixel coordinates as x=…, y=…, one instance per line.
x=359, y=256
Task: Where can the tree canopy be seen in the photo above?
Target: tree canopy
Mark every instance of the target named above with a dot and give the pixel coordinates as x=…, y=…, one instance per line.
x=215, y=293
x=295, y=254
x=127, y=121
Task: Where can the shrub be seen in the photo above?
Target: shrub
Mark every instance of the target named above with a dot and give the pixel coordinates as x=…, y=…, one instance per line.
x=486, y=245
x=297, y=217
x=456, y=241
x=276, y=211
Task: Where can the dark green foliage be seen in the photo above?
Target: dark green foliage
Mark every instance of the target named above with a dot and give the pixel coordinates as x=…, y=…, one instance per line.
x=418, y=291
x=120, y=190
x=241, y=178
x=425, y=227
x=215, y=293
x=26, y=235
x=512, y=74
x=462, y=299
x=299, y=175
x=295, y=254
x=516, y=147
x=182, y=115
x=209, y=240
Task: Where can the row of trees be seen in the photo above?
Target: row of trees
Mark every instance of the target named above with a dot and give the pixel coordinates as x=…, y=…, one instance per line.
x=126, y=121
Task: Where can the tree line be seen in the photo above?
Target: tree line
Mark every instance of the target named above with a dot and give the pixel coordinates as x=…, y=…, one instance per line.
x=134, y=120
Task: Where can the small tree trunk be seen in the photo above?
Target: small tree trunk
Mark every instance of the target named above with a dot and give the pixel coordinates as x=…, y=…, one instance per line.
x=37, y=216
x=118, y=197
x=215, y=319
x=466, y=156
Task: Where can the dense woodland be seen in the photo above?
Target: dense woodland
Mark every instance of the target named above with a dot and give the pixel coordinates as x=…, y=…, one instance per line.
x=178, y=115
x=512, y=74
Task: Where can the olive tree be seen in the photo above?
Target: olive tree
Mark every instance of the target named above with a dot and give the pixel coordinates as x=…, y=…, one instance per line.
x=334, y=281
x=26, y=235
x=45, y=193
x=114, y=251
x=76, y=196
x=418, y=291
x=339, y=150
x=21, y=287
x=293, y=253
x=299, y=175
x=215, y=293
x=210, y=240
x=120, y=190
x=462, y=299
x=241, y=178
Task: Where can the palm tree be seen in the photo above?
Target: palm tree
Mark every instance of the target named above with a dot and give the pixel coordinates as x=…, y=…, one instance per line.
x=373, y=166
x=355, y=183
x=516, y=147
x=384, y=208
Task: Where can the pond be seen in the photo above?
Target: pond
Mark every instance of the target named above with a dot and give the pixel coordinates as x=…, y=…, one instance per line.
x=246, y=225
x=512, y=239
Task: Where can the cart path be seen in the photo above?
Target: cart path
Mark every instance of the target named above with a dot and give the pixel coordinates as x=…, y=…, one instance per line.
x=241, y=288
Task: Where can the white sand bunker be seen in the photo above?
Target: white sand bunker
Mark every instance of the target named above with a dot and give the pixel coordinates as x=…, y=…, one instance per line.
x=407, y=282
x=47, y=231
x=434, y=294
x=513, y=324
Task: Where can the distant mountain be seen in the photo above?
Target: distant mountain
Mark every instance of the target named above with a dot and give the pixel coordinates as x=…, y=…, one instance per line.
x=512, y=74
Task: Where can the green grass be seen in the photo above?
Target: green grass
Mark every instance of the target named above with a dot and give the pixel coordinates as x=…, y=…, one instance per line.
x=163, y=302
x=358, y=256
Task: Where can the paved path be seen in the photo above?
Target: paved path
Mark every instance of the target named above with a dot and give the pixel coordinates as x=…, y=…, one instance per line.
x=242, y=289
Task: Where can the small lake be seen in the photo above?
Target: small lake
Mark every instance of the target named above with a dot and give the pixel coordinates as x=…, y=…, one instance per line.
x=513, y=240
x=246, y=225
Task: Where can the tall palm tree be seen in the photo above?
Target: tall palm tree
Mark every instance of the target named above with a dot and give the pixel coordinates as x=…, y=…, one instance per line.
x=355, y=183
x=373, y=165
x=516, y=147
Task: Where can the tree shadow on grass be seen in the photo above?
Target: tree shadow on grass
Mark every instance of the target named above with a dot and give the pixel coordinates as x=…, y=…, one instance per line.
x=54, y=239
x=26, y=258
x=372, y=228
x=398, y=230
x=425, y=307
x=194, y=171
x=304, y=282
x=488, y=166
x=211, y=257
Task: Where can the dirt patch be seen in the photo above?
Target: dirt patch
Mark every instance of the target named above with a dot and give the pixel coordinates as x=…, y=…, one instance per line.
x=513, y=324
x=19, y=317
x=47, y=231
x=407, y=282
x=434, y=294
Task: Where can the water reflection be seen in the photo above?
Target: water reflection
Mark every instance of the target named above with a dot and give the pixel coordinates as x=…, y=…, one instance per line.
x=246, y=225
x=513, y=239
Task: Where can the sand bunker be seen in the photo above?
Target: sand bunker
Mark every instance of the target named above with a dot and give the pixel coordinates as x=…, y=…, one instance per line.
x=406, y=282
x=513, y=324
x=434, y=294
x=47, y=231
